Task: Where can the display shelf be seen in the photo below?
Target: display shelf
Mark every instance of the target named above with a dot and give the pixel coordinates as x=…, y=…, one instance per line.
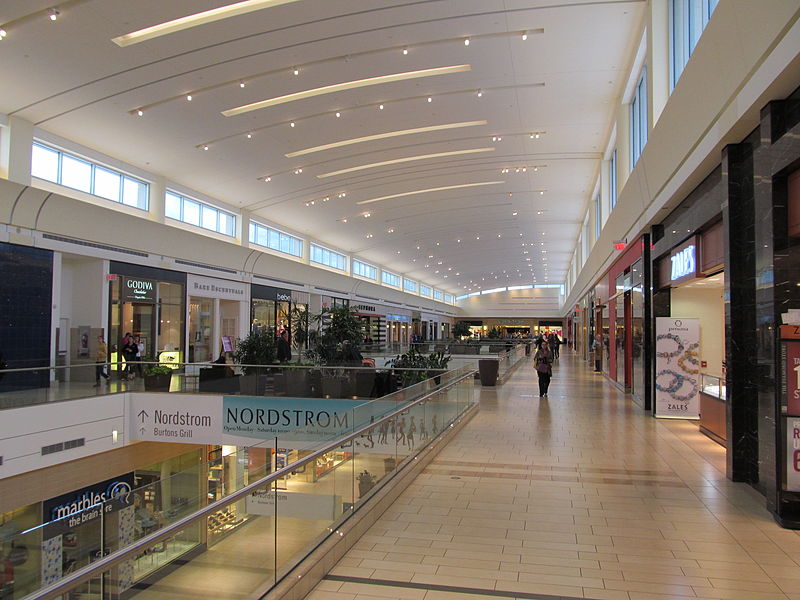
x=713, y=397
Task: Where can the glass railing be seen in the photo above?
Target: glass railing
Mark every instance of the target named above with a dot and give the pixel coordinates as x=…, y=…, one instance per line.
x=28, y=387
x=509, y=359
x=262, y=518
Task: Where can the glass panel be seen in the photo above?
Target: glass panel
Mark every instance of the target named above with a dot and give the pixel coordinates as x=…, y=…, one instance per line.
x=106, y=184
x=191, y=212
x=637, y=334
x=44, y=163
x=172, y=206
x=208, y=217
x=134, y=193
x=76, y=174
x=226, y=223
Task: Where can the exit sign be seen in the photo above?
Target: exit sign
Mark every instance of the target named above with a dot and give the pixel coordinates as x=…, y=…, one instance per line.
x=619, y=245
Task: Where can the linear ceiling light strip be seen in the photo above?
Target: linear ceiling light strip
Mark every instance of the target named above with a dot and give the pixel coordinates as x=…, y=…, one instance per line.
x=383, y=136
x=437, y=189
x=348, y=85
x=195, y=20
x=404, y=160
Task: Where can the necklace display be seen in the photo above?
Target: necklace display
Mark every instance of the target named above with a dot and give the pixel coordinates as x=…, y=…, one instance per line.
x=678, y=346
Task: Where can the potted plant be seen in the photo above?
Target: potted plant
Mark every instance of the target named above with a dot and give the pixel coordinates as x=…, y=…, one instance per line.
x=366, y=481
x=413, y=359
x=437, y=365
x=461, y=329
x=335, y=340
x=260, y=347
x=157, y=378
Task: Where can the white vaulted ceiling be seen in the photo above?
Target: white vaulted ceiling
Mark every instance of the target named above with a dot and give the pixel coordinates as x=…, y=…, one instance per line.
x=563, y=82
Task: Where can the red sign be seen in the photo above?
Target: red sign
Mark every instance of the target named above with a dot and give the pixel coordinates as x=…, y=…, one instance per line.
x=792, y=375
x=111, y=277
x=619, y=245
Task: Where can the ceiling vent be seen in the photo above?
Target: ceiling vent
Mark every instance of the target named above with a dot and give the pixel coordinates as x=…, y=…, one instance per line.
x=66, y=240
x=202, y=266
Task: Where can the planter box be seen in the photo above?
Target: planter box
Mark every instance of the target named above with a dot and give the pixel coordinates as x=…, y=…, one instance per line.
x=488, y=369
x=157, y=383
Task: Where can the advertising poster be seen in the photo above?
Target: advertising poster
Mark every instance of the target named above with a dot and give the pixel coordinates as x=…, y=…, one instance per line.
x=791, y=359
x=677, y=380
x=793, y=455
x=83, y=340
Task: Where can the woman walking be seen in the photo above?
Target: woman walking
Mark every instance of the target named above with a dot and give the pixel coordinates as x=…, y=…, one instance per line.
x=543, y=360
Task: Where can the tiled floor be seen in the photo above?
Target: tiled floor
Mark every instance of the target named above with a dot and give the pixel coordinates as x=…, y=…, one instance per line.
x=579, y=495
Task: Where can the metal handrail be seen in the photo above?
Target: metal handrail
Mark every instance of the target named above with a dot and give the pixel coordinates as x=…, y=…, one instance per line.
x=107, y=562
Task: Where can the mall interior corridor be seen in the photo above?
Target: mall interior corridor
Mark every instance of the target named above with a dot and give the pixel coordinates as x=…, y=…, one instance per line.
x=579, y=495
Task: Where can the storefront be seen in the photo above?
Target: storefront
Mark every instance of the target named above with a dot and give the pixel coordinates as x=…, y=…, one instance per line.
x=149, y=304
x=217, y=309
x=615, y=319
x=46, y=540
x=270, y=307
x=398, y=328
x=373, y=321
x=690, y=340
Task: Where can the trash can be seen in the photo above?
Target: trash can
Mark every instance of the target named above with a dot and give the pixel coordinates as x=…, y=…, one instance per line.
x=488, y=368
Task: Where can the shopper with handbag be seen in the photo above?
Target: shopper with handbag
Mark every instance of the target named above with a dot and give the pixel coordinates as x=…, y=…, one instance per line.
x=543, y=360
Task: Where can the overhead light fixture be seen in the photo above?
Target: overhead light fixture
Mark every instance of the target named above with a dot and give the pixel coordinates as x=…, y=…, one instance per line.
x=291, y=124
x=195, y=20
x=296, y=71
x=480, y=93
x=466, y=41
x=348, y=85
x=3, y=33
x=404, y=160
x=436, y=189
x=524, y=36
x=382, y=136
x=405, y=51
x=267, y=179
x=241, y=84
x=53, y=14
x=338, y=114
x=380, y=106
x=249, y=136
x=205, y=147
x=139, y=113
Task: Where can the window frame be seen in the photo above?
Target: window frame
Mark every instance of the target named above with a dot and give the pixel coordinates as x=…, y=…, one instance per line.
x=93, y=167
x=355, y=263
x=390, y=275
x=320, y=255
x=281, y=237
x=639, y=118
x=202, y=209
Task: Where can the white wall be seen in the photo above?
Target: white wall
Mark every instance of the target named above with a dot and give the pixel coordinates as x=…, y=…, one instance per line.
x=24, y=431
x=530, y=303
x=706, y=305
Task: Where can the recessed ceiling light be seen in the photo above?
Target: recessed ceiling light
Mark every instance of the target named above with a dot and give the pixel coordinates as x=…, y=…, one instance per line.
x=480, y=93
x=267, y=179
x=466, y=41
x=195, y=20
x=296, y=71
x=140, y=112
x=53, y=14
x=205, y=147
x=437, y=189
x=188, y=97
x=382, y=136
x=430, y=99
x=338, y=114
x=3, y=33
x=514, y=214
x=403, y=160
x=249, y=136
x=380, y=106
x=405, y=51
x=524, y=36
x=348, y=85
x=241, y=84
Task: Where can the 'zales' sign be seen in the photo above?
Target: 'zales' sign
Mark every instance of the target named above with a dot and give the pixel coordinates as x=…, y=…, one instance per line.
x=684, y=261
x=135, y=289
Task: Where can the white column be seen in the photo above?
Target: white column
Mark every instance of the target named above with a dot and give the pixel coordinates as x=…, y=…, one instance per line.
x=16, y=138
x=158, y=189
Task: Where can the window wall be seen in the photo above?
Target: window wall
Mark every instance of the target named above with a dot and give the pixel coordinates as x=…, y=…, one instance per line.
x=79, y=174
x=199, y=214
x=389, y=278
x=410, y=285
x=687, y=20
x=638, y=118
x=364, y=270
x=275, y=240
x=329, y=258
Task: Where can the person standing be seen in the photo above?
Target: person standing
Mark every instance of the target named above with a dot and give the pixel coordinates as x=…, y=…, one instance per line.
x=129, y=350
x=284, y=348
x=543, y=360
x=100, y=357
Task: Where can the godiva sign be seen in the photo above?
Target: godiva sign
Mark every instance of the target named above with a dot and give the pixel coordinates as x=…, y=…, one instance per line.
x=136, y=289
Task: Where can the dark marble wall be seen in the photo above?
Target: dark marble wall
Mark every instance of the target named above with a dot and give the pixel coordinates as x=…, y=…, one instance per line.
x=25, y=298
x=777, y=274
x=738, y=211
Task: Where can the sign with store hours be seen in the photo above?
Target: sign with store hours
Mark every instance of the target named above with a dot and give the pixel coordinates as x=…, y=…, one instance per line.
x=793, y=455
x=791, y=354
